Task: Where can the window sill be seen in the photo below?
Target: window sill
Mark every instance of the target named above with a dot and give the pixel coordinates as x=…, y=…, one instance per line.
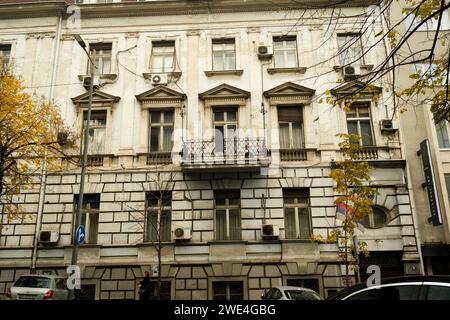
x=228, y=242
x=212, y=73
x=286, y=70
x=149, y=243
x=148, y=75
x=364, y=67
x=105, y=76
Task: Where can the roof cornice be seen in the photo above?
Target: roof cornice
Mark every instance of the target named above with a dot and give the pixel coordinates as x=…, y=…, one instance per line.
x=170, y=7
x=32, y=9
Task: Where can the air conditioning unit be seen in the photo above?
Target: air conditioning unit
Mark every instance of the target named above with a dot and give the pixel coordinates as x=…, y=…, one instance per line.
x=265, y=52
x=182, y=233
x=87, y=81
x=159, y=78
x=270, y=231
x=48, y=236
x=351, y=72
x=388, y=125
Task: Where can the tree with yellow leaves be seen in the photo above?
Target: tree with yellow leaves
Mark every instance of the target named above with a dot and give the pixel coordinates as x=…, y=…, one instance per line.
x=29, y=128
x=354, y=202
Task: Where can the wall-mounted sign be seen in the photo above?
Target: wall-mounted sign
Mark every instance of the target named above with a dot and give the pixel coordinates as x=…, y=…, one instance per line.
x=430, y=182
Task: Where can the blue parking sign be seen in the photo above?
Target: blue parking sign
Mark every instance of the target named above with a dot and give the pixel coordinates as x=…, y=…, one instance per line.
x=80, y=235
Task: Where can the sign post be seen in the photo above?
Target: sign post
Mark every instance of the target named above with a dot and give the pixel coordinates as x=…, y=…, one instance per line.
x=80, y=235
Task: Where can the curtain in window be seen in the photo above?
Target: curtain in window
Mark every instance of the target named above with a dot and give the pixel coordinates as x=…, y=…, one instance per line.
x=284, y=135
x=297, y=135
x=235, y=224
x=303, y=221
x=366, y=133
x=289, y=223
x=165, y=226
x=442, y=134
x=152, y=225
x=96, y=141
x=167, y=139
x=220, y=229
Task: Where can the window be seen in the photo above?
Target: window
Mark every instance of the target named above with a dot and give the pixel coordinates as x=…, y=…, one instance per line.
x=164, y=290
x=376, y=219
x=389, y=293
x=163, y=56
x=158, y=220
x=438, y=292
x=297, y=222
x=89, y=218
x=442, y=134
x=447, y=184
x=359, y=123
x=224, y=54
x=101, y=56
x=97, y=131
x=312, y=284
x=227, y=215
x=228, y=290
x=5, y=55
x=285, y=52
x=290, y=124
x=161, y=130
x=350, y=49
x=225, y=126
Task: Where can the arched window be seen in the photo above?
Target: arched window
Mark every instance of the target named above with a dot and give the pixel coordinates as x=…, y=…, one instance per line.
x=377, y=219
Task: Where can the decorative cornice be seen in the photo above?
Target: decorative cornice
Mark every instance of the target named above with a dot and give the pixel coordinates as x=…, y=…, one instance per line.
x=97, y=97
x=224, y=91
x=171, y=7
x=40, y=35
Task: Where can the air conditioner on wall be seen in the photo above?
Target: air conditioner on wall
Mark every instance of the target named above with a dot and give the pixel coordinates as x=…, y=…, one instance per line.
x=351, y=72
x=48, y=236
x=387, y=125
x=182, y=233
x=270, y=231
x=265, y=52
x=159, y=78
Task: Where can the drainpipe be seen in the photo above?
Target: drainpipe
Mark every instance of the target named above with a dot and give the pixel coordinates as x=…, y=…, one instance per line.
x=44, y=163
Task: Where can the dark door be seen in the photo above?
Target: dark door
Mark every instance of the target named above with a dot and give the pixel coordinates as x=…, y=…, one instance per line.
x=390, y=263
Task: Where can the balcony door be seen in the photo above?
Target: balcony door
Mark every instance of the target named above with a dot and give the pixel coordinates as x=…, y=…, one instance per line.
x=290, y=124
x=225, y=131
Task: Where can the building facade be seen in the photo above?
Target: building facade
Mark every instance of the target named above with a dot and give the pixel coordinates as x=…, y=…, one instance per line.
x=433, y=215
x=208, y=122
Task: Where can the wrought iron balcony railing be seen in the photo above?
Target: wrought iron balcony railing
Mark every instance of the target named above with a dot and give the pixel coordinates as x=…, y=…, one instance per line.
x=233, y=150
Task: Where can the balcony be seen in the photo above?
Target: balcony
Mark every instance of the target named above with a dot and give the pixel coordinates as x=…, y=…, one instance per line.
x=290, y=155
x=157, y=158
x=237, y=154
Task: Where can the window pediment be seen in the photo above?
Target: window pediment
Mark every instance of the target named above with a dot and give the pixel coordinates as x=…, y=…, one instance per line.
x=161, y=95
x=289, y=93
x=98, y=98
x=353, y=88
x=225, y=93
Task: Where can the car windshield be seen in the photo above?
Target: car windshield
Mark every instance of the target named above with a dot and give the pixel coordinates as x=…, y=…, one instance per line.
x=301, y=295
x=33, y=282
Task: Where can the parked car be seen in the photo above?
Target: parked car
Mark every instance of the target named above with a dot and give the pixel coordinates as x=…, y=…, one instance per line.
x=290, y=293
x=399, y=288
x=39, y=287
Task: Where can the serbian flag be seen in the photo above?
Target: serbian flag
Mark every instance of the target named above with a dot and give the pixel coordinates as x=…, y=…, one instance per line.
x=345, y=211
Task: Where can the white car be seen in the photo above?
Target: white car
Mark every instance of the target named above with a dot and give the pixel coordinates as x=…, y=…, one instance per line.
x=290, y=293
x=38, y=287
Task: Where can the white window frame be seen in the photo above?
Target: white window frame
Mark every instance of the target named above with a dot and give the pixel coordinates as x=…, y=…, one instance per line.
x=358, y=120
x=285, y=49
x=98, y=53
x=86, y=212
x=348, y=46
x=291, y=135
x=297, y=206
x=223, y=42
x=159, y=44
x=149, y=210
x=227, y=207
x=6, y=64
x=161, y=126
x=447, y=128
x=94, y=127
x=423, y=68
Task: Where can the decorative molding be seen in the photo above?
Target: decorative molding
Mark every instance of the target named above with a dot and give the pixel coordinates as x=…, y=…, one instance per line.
x=98, y=97
x=355, y=87
x=161, y=96
x=40, y=35
x=67, y=37
x=223, y=72
x=193, y=33
x=132, y=35
x=253, y=30
x=286, y=70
